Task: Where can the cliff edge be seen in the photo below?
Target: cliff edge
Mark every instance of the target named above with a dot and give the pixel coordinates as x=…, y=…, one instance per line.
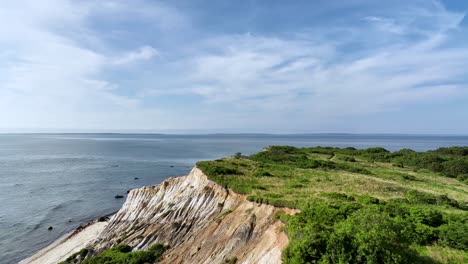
x=201, y=221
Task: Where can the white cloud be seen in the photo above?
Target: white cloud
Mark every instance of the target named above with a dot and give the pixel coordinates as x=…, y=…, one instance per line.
x=320, y=81
x=385, y=24
x=310, y=81
x=52, y=78
x=143, y=53
x=58, y=71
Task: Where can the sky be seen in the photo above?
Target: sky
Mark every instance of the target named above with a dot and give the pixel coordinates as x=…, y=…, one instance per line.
x=254, y=66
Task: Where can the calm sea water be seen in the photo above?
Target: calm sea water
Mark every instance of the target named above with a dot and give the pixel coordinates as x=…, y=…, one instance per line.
x=63, y=180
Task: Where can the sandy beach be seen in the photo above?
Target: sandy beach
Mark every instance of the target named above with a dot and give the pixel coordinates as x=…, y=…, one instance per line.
x=67, y=245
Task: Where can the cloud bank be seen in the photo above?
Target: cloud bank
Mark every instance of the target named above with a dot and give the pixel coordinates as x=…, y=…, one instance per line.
x=111, y=66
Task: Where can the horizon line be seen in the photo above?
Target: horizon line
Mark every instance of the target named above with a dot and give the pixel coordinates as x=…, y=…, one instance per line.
x=232, y=133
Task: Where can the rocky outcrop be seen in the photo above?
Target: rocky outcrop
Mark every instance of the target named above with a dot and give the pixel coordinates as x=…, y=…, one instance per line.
x=200, y=220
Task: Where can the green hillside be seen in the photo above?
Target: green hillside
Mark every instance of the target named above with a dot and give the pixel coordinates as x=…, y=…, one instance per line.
x=359, y=206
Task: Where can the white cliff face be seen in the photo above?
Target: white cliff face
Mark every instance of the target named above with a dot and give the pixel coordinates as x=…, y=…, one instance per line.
x=200, y=220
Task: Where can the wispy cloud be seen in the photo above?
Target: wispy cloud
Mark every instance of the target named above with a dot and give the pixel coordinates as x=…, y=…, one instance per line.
x=51, y=79
x=143, y=53
x=323, y=80
x=62, y=67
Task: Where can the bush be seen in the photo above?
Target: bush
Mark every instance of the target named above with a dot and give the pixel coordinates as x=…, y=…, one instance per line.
x=453, y=168
x=463, y=178
x=408, y=177
x=427, y=216
x=343, y=232
x=375, y=150
x=455, y=232
x=337, y=196
x=280, y=154
x=122, y=254
x=348, y=158
x=122, y=248
x=416, y=197
x=213, y=169
x=349, y=233
x=370, y=236
x=231, y=260
x=366, y=199
x=309, y=230
x=456, y=151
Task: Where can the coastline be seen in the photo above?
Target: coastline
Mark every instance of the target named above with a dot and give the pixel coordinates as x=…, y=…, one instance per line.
x=68, y=244
x=202, y=221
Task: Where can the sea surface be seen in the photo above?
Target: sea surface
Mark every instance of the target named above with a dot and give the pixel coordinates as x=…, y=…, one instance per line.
x=64, y=180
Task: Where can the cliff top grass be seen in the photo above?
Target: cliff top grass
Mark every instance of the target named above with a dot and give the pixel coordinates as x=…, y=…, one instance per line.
x=359, y=206
x=293, y=177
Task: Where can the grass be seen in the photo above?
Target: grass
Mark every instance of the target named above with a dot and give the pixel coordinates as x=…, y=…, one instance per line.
x=439, y=254
x=293, y=177
x=298, y=177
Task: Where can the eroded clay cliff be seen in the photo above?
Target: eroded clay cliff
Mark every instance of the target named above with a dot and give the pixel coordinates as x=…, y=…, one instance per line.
x=200, y=220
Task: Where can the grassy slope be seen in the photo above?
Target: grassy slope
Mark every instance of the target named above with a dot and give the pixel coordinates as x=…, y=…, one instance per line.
x=296, y=177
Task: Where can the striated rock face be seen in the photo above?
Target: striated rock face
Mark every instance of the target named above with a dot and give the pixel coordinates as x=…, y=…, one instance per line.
x=201, y=221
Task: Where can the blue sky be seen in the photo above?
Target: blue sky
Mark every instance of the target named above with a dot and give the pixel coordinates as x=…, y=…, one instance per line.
x=234, y=66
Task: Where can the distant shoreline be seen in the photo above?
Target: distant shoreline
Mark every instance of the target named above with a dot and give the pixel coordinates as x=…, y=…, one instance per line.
x=235, y=134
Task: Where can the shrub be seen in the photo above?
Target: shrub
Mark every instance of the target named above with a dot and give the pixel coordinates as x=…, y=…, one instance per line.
x=455, y=232
x=366, y=199
x=83, y=252
x=122, y=248
x=231, y=260
x=348, y=158
x=408, y=177
x=280, y=154
x=369, y=236
x=337, y=196
x=157, y=250
x=453, y=168
x=463, y=178
x=456, y=151
x=427, y=216
x=214, y=169
x=122, y=254
x=416, y=197
x=375, y=150
x=348, y=233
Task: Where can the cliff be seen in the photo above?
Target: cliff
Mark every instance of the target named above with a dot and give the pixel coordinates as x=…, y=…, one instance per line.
x=200, y=220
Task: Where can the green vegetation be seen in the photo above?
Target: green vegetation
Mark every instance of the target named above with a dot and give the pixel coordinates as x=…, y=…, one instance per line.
x=120, y=254
x=359, y=206
x=77, y=257
x=231, y=260
x=390, y=232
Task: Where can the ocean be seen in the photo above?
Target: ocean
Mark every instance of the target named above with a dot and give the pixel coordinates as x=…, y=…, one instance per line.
x=64, y=180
